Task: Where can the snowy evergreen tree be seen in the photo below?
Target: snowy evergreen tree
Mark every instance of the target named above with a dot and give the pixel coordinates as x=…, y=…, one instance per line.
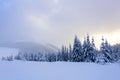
x=109, y=53
x=84, y=49
x=8, y=58
x=70, y=53
x=101, y=56
x=64, y=53
x=51, y=57
x=59, y=56
x=93, y=51
x=105, y=51
x=89, y=50
x=116, y=52
x=77, y=55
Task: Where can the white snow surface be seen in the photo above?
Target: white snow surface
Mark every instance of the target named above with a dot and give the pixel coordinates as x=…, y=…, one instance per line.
x=24, y=70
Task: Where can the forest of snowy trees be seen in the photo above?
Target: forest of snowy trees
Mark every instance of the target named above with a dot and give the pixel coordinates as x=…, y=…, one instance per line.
x=86, y=52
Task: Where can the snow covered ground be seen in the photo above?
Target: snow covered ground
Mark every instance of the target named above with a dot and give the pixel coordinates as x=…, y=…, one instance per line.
x=23, y=70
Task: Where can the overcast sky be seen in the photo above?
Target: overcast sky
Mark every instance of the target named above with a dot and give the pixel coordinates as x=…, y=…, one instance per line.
x=57, y=21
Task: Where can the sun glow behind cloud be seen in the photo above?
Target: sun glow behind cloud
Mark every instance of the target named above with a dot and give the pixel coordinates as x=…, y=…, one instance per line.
x=112, y=37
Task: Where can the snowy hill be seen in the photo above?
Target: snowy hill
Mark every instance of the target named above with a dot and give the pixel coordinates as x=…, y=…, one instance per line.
x=20, y=70
x=30, y=47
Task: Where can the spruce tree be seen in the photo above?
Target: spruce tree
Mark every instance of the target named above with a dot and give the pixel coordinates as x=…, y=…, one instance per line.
x=93, y=51
x=77, y=51
x=59, y=56
x=64, y=53
x=108, y=49
x=89, y=50
x=105, y=51
x=70, y=53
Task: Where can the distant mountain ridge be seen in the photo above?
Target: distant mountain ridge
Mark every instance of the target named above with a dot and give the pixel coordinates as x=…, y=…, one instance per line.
x=30, y=47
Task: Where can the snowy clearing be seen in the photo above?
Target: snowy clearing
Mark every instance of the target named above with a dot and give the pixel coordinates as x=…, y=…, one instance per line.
x=23, y=70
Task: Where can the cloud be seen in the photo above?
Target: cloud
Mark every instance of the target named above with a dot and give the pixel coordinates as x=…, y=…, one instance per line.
x=56, y=1
x=40, y=22
x=57, y=20
x=56, y=10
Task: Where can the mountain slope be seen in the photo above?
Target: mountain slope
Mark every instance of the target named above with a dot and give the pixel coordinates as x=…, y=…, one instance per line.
x=30, y=47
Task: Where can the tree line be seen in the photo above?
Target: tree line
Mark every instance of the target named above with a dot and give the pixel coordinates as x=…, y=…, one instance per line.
x=86, y=52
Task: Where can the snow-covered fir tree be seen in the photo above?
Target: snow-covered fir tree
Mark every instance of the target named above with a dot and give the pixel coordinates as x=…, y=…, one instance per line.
x=116, y=52
x=77, y=55
x=51, y=57
x=93, y=51
x=59, y=56
x=64, y=53
x=89, y=50
x=101, y=56
x=70, y=53
x=105, y=51
x=109, y=51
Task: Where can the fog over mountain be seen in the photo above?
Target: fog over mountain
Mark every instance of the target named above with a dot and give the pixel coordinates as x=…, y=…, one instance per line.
x=30, y=47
